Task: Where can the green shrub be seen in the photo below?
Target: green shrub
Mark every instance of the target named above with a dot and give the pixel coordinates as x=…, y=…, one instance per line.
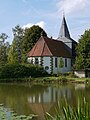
x=21, y=71
x=69, y=74
x=62, y=79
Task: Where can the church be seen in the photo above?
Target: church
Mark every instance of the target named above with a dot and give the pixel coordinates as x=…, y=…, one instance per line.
x=55, y=55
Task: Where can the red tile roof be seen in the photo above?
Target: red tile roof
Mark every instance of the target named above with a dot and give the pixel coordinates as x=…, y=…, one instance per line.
x=49, y=47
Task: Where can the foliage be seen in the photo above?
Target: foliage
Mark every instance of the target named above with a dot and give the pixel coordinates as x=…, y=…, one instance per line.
x=6, y=114
x=70, y=74
x=62, y=79
x=61, y=63
x=82, y=112
x=3, y=37
x=15, y=53
x=23, y=41
x=13, y=56
x=31, y=35
x=83, y=51
x=4, y=48
x=21, y=71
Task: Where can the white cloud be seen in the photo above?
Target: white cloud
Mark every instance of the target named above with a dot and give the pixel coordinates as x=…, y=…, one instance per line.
x=69, y=6
x=40, y=24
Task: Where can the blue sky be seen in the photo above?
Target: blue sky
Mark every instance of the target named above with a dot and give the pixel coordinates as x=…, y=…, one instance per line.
x=47, y=14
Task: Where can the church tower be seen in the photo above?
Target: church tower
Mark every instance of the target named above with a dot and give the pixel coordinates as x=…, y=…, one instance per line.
x=64, y=36
x=64, y=32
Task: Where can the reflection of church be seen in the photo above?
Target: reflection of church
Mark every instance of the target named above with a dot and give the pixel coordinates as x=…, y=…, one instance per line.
x=45, y=102
x=50, y=96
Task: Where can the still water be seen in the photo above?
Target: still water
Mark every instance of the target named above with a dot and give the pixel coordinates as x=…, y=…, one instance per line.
x=39, y=99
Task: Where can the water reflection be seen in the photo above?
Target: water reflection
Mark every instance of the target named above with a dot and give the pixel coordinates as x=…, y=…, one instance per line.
x=50, y=95
x=80, y=87
x=39, y=99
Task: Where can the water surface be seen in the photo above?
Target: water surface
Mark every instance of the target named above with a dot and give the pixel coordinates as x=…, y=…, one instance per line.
x=39, y=99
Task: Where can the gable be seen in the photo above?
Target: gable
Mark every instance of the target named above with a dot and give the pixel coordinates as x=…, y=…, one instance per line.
x=40, y=49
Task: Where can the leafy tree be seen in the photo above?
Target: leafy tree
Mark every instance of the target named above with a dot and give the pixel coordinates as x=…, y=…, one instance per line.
x=4, y=47
x=83, y=51
x=15, y=53
x=31, y=35
x=3, y=37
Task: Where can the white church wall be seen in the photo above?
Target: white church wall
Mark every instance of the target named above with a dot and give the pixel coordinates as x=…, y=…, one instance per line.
x=64, y=69
x=46, y=64
x=32, y=60
x=68, y=68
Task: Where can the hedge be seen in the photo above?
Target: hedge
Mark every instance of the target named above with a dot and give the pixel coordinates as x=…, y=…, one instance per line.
x=21, y=71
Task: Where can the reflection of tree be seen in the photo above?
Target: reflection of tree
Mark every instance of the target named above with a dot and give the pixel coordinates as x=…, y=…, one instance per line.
x=36, y=89
x=15, y=96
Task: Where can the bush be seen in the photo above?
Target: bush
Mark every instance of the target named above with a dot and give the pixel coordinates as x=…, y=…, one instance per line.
x=21, y=71
x=62, y=79
x=69, y=74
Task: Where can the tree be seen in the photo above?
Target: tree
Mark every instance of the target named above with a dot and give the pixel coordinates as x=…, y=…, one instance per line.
x=61, y=63
x=4, y=47
x=15, y=53
x=83, y=51
x=31, y=35
x=3, y=37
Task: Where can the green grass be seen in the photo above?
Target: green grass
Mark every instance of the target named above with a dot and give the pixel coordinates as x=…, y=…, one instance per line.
x=81, y=112
x=47, y=79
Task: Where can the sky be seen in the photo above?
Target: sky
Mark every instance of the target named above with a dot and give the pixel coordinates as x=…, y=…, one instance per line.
x=45, y=13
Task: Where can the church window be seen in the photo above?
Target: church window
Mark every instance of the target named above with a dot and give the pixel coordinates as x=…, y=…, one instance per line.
x=36, y=61
x=65, y=62
x=31, y=61
x=56, y=62
x=46, y=68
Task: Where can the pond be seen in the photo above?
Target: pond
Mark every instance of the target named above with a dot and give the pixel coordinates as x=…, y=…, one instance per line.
x=39, y=99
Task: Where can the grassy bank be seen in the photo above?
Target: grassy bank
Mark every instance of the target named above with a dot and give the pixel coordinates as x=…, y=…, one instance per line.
x=50, y=79
x=33, y=73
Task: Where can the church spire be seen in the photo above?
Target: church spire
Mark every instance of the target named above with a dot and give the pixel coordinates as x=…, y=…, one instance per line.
x=64, y=32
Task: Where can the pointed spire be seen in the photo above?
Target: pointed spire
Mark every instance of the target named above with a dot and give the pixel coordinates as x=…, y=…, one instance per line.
x=64, y=32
